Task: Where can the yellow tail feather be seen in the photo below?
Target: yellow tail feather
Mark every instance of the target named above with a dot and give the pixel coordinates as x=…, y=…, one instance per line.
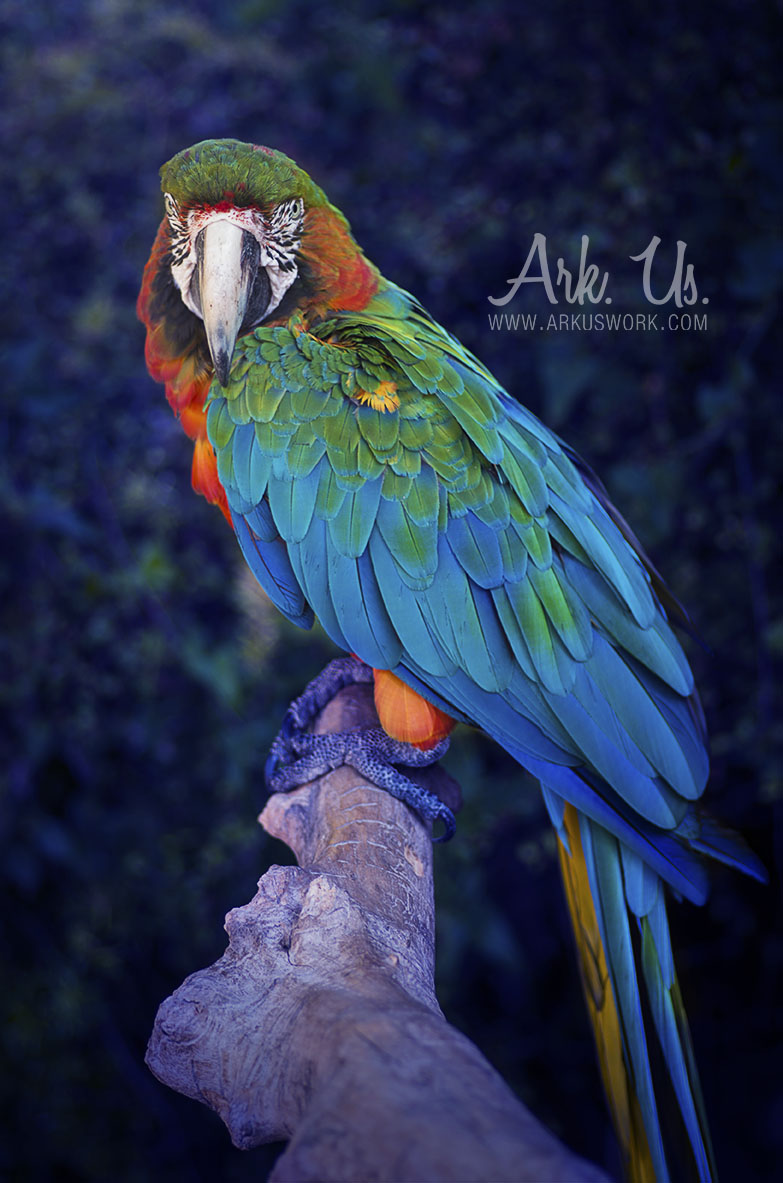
x=602, y=1008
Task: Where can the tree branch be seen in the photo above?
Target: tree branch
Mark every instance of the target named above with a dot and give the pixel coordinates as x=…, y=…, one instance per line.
x=320, y=1025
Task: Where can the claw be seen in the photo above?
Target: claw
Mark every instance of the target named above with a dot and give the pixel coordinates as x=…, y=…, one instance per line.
x=343, y=671
x=297, y=757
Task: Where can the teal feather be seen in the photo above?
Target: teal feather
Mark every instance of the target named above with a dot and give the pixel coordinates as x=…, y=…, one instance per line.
x=395, y=486
x=404, y=461
x=611, y=555
x=513, y=556
x=659, y=927
x=244, y=452
x=292, y=503
x=477, y=397
x=350, y=528
x=477, y=491
x=359, y=609
x=405, y=613
x=339, y=434
x=533, y=536
x=379, y=428
x=225, y=465
x=331, y=495
x=555, y=807
x=655, y=646
x=220, y=425
x=680, y=715
x=538, y=638
x=414, y=433
x=262, y=394
x=450, y=611
x=563, y=479
x=485, y=438
x=272, y=567
x=304, y=453
x=262, y=523
x=236, y=405
x=310, y=565
x=565, y=610
x=500, y=714
x=642, y=885
x=308, y=402
x=515, y=635
x=672, y=1027
x=523, y=440
x=495, y=640
x=477, y=548
x=367, y=463
x=258, y=475
x=609, y=750
x=351, y=480
x=236, y=502
x=496, y=511
x=641, y=716
x=270, y=443
x=413, y=544
x=527, y=481
x=422, y=499
x=451, y=384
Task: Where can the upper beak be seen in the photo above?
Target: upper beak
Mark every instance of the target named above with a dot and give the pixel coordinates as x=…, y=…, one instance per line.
x=227, y=262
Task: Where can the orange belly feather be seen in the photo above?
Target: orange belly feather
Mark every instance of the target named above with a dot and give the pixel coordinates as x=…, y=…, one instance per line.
x=405, y=715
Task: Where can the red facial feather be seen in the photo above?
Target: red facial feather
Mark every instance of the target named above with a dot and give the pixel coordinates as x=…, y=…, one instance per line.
x=187, y=379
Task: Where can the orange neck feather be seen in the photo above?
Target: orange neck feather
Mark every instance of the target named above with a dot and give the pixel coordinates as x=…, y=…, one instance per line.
x=343, y=276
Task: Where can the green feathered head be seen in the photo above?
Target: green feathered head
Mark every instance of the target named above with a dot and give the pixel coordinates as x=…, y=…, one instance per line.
x=218, y=171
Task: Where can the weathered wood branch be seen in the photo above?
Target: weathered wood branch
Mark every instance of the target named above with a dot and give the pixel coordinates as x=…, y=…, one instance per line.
x=320, y=1025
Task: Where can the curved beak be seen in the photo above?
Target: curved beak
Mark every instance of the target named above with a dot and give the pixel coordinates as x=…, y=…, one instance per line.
x=227, y=264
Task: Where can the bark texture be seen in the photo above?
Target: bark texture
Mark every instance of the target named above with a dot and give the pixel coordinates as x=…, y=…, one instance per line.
x=320, y=1025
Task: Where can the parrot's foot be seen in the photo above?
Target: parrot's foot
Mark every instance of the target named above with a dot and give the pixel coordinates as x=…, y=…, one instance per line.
x=296, y=756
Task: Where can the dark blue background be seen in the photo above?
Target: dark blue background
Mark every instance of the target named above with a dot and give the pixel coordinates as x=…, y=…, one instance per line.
x=143, y=677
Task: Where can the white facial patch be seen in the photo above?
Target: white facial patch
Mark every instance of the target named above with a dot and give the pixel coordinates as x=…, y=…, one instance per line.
x=278, y=236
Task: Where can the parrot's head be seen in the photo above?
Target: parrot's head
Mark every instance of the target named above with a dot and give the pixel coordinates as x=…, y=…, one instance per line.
x=248, y=238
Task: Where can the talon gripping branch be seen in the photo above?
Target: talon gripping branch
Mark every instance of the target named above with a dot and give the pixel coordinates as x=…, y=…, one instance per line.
x=377, y=476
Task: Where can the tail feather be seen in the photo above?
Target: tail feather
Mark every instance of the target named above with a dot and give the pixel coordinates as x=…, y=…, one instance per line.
x=672, y=1026
x=602, y=1006
x=601, y=886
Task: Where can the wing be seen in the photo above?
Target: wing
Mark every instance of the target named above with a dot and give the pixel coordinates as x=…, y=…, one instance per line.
x=378, y=476
x=449, y=537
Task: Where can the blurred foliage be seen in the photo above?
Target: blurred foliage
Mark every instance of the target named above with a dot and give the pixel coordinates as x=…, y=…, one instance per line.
x=143, y=675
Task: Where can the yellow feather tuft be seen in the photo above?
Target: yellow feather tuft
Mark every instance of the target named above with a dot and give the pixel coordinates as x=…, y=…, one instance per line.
x=384, y=398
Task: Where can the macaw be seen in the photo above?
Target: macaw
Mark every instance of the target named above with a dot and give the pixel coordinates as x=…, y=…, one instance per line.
x=378, y=476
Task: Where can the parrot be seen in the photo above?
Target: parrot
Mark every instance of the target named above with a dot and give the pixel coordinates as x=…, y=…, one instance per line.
x=466, y=560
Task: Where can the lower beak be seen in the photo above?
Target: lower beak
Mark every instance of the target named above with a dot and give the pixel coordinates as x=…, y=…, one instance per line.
x=227, y=264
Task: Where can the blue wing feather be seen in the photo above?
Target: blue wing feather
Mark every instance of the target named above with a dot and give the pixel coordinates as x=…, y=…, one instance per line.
x=271, y=564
